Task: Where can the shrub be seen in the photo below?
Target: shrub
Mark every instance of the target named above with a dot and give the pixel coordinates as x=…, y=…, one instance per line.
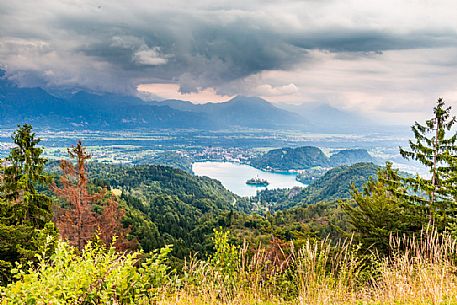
x=98, y=275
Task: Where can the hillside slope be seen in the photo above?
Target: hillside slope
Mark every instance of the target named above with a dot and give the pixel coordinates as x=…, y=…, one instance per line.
x=350, y=156
x=178, y=207
x=291, y=158
x=335, y=184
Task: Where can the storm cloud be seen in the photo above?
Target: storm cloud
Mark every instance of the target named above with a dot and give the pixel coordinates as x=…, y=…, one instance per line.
x=267, y=48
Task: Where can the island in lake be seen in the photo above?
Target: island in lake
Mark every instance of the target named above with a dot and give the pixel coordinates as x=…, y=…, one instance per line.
x=257, y=182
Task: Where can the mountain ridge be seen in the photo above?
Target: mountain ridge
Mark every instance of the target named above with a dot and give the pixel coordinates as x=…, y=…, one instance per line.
x=241, y=109
x=88, y=110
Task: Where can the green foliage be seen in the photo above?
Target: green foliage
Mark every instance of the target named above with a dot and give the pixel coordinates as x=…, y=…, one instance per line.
x=435, y=149
x=333, y=185
x=336, y=183
x=169, y=206
x=226, y=256
x=225, y=262
x=96, y=276
x=24, y=165
x=376, y=213
x=25, y=213
x=403, y=205
x=22, y=173
x=141, y=226
x=315, y=221
x=291, y=158
x=350, y=156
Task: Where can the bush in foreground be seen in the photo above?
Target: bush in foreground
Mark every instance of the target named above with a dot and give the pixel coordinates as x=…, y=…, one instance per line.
x=420, y=271
x=95, y=276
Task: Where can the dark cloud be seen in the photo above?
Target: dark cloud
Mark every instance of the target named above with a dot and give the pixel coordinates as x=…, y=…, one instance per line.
x=338, y=40
x=115, y=46
x=209, y=54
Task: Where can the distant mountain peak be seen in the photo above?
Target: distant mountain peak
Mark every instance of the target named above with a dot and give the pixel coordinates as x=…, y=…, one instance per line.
x=247, y=99
x=115, y=111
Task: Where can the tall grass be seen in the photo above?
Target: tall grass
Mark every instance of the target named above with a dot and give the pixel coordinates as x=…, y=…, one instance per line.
x=420, y=270
x=325, y=276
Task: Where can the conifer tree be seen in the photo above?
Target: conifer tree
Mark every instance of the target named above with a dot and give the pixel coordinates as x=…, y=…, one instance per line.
x=403, y=205
x=435, y=149
x=381, y=209
x=25, y=213
x=78, y=222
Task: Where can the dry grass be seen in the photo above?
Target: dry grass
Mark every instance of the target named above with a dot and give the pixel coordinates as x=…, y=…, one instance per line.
x=423, y=273
x=420, y=271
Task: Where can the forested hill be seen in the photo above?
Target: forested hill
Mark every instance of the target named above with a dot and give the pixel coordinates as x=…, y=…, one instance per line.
x=291, y=158
x=169, y=206
x=166, y=205
x=307, y=157
x=335, y=184
x=350, y=156
x=167, y=180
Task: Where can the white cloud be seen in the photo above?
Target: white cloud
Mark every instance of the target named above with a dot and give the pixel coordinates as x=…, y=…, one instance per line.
x=149, y=57
x=267, y=90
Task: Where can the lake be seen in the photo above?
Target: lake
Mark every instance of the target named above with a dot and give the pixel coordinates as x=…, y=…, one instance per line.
x=234, y=175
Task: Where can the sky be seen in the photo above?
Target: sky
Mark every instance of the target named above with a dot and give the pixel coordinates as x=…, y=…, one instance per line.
x=387, y=59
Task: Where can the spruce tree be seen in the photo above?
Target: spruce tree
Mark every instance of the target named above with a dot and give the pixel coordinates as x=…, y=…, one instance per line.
x=25, y=213
x=381, y=209
x=404, y=204
x=434, y=148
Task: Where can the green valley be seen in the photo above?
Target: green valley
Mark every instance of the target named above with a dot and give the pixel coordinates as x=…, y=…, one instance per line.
x=142, y=233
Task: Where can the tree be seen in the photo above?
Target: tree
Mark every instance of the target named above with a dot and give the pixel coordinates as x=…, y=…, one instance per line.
x=78, y=222
x=23, y=171
x=404, y=204
x=25, y=213
x=380, y=209
x=435, y=149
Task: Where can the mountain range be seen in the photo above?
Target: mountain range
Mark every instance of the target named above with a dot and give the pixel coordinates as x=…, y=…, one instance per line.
x=322, y=117
x=241, y=111
x=88, y=110
x=112, y=111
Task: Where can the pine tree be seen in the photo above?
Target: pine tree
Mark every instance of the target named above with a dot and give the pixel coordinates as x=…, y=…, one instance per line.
x=25, y=213
x=78, y=222
x=402, y=204
x=435, y=149
x=381, y=209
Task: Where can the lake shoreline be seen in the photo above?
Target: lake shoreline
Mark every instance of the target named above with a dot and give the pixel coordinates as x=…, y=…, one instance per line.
x=233, y=175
